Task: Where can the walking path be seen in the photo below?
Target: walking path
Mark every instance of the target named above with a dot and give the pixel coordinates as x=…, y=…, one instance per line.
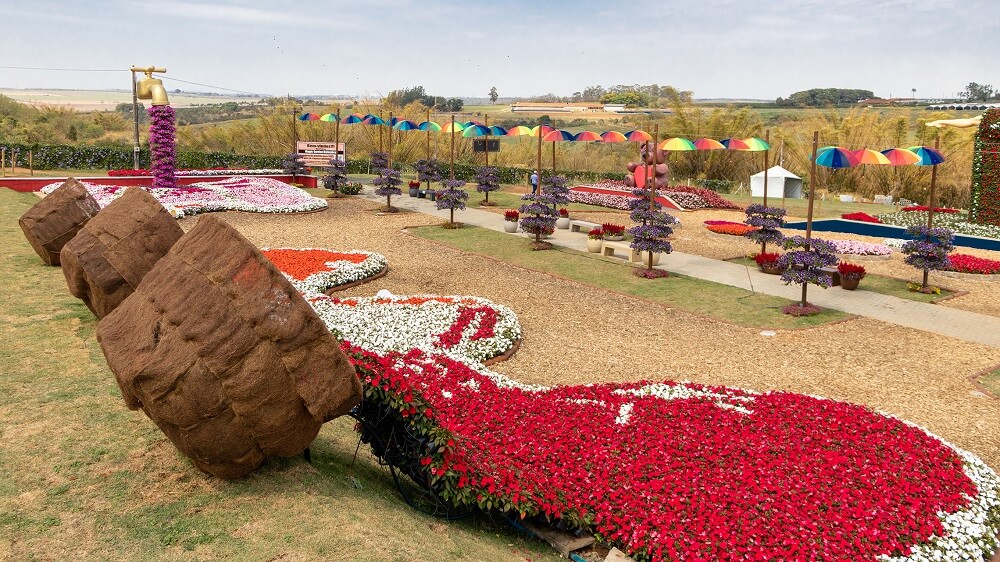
x=942, y=320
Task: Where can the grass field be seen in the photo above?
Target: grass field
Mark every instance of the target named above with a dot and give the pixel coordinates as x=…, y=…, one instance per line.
x=718, y=301
x=84, y=478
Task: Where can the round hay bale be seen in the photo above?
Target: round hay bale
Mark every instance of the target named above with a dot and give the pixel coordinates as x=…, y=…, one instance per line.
x=225, y=356
x=55, y=220
x=111, y=254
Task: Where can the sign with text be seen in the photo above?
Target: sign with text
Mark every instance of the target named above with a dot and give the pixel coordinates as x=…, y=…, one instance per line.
x=479, y=145
x=319, y=154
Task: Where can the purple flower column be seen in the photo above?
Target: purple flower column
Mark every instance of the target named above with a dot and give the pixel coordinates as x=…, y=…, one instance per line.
x=161, y=145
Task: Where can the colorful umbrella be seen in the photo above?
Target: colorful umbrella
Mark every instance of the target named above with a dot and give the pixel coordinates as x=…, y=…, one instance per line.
x=928, y=156
x=709, y=144
x=475, y=130
x=429, y=126
x=471, y=123
x=405, y=125
x=308, y=117
x=836, y=157
x=453, y=127
x=676, y=144
x=557, y=135
x=373, y=120
x=352, y=119
x=638, y=136
x=755, y=144
x=586, y=136
x=497, y=131
x=518, y=131
x=545, y=129
x=735, y=144
x=612, y=136
x=900, y=156
x=869, y=156
x=329, y=117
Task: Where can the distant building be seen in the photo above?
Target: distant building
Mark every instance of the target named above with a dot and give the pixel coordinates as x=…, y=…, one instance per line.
x=568, y=107
x=964, y=105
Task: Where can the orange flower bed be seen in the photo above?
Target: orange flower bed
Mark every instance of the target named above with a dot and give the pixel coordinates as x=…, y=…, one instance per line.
x=302, y=263
x=730, y=229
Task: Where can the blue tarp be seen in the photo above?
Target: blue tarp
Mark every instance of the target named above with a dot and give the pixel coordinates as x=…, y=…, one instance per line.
x=889, y=231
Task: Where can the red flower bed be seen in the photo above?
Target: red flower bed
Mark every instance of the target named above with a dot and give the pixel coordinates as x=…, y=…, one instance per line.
x=767, y=259
x=674, y=471
x=611, y=229
x=860, y=217
x=964, y=263
x=711, y=222
x=924, y=208
x=733, y=229
x=302, y=263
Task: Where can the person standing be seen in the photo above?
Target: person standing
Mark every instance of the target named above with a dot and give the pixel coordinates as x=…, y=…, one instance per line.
x=534, y=181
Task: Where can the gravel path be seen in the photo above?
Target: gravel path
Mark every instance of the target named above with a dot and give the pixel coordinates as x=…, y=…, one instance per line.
x=577, y=334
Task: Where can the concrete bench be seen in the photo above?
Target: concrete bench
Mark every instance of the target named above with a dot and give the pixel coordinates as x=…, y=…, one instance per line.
x=582, y=226
x=610, y=248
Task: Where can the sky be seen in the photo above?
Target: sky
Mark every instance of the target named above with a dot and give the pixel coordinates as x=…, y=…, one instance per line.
x=455, y=48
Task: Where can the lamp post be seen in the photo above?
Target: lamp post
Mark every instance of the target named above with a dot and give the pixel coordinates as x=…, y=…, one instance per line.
x=135, y=122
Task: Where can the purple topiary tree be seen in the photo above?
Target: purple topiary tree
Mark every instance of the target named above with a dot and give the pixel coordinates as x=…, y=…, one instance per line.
x=556, y=189
x=928, y=250
x=387, y=181
x=162, y=148
x=336, y=177
x=487, y=180
x=538, y=216
x=452, y=197
x=767, y=220
x=428, y=170
x=804, y=267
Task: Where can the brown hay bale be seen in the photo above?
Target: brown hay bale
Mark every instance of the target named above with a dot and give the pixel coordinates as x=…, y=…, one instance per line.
x=225, y=356
x=55, y=220
x=111, y=254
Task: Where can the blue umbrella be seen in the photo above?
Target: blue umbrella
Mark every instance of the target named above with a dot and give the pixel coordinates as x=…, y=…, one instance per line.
x=928, y=156
x=836, y=157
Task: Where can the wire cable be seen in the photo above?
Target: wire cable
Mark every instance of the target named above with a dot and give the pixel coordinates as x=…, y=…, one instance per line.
x=165, y=77
x=66, y=69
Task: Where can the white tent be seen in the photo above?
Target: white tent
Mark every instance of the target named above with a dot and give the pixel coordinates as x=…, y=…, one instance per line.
x=780, y=183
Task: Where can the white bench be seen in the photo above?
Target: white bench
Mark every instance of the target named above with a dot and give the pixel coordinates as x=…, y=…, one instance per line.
x=609, y=249
x=579, y=226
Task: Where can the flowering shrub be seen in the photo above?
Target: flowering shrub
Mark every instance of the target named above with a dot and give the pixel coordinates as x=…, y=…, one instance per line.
x=487, y=180
x=452, y=197
x=651, y=237
x=511, y=215
x=925, y=208
x=351, y=188
x=336, y=175
x=929, y=248
x=600, y=199
x=611, y=229
x=732, y=229
x=538, y=214
x=864, y=217
x=850, y=270
x=857, y=248
x=293, y=164
x=249, y=194
x=767, y=221
x=317, y=269
x=767, y=259
x=428, y=170
x=596, y=234
x=984, y=207
x=964, y=263
x=804, y=265
x=563, y=213
x=413, y=184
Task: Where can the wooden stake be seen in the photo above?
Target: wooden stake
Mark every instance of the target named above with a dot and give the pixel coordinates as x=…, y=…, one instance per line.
x=767, y=139
x=3, y=161
x=31, y=171
x=451, y=163
x=930, y=204
x=390, y=141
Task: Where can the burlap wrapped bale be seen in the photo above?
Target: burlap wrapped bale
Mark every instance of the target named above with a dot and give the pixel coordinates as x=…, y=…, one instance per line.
x=55, y=220
x=227, y=358
x=111, y=254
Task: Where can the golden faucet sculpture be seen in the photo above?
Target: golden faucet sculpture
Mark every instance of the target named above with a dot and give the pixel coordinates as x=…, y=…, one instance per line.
x=150, y=88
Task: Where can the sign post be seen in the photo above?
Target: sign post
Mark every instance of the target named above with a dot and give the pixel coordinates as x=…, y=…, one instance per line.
x=319, y=154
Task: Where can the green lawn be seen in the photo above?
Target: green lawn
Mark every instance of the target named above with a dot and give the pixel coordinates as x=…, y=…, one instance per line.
x=718, y=301
x=992, y=382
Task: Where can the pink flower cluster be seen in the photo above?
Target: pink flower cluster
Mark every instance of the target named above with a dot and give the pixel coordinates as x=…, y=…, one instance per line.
x=858, y=248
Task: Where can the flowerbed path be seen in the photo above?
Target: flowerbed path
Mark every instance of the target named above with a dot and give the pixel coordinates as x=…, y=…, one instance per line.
x=941, y=320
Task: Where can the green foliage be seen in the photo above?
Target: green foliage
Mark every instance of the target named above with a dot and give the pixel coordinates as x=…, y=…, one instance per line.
x=57, y=157
x=822, y=97
x=979, y=92
x=629, y=98
x=406, y=96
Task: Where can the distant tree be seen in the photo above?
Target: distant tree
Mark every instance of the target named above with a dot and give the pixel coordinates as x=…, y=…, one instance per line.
x=493, y=94
x=454, y=104
x=406, y=96
x=821, y=97
x=629, y=98
x=978, y=92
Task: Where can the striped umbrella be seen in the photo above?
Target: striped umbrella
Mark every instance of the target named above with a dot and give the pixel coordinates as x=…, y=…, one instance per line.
x=557, y=135
x=352, y=119
x=405, y=125
x=586, y=136
x=471, y=123
x=900, y=156
x=329, y=117
x=735, y=144
x=453, y=127
x=755, y=144
x=497, y=131
x=676, y=144
x=836, y=157
x=928, y=156
x=373, y=120
x=545, y=129
x=519, y=131
x=869, y=156
x=612, y=136
x=309, y=117
x=429, y=126
x=708, y=144
x=475, y=131
x=638, y=136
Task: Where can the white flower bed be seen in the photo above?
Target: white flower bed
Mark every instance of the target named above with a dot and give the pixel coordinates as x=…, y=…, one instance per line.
x=336, y=272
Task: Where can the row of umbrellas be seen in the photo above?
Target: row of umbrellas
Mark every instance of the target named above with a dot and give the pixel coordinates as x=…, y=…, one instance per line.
x=549, y=134
x=839, y=157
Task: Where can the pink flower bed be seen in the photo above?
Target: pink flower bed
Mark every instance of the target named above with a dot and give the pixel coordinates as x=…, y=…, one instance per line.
x=711, y=198
x=857, y=248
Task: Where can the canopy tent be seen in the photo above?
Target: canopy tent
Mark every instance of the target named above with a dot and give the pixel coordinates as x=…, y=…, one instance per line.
x=780, y=183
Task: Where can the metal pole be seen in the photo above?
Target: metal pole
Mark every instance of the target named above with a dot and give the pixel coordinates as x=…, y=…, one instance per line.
x=538, y=165
x=135, y=123
x=812, y=197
